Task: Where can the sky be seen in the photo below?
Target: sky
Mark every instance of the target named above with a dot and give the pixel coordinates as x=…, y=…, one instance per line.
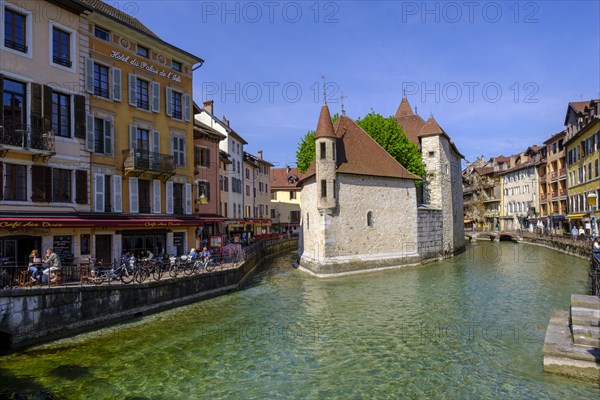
x=496, y=75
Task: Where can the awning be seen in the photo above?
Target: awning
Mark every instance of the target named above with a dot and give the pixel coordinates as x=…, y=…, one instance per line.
x=558, y=217
x=576, y=216
x=74, y=222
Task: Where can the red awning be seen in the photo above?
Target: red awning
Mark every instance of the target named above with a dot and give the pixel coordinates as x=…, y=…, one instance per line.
x=37, y=222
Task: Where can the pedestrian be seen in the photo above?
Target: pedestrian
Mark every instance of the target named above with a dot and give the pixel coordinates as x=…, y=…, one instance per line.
x=574, y=232
x=51, y=264
x=581, y=232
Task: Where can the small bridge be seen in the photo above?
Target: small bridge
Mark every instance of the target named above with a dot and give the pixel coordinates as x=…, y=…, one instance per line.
x=493, y=236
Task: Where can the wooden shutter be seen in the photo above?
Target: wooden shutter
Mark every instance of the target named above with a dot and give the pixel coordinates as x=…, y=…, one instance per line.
x=90, y=133
x=207, y=157
x=117, y=193
x=81, y=187
x=41, y=183
x=1, y=181
x=47, y=113
x=80, y=122
x=116, y=84
x=156, y=141
x=2, y=99
x=89, y=75
x=156, y=204
x=156, y=96
x=132, y=90
x=132, y=136
x=188, y=198
x=108, y=137
x=187, y=104
x=169, y=197
x=134, y=205
x=168, y=99
x=99, y=192
x=36, y=101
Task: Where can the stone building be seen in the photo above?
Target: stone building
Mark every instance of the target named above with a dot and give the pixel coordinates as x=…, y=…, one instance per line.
x=358, y=203
x=553, y=183
x=442, y=186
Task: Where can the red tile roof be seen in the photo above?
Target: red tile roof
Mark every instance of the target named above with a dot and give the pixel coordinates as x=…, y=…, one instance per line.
x=324, y=126
x=404, y=109
x=119, y=15
x=431, y=128
x=281, y=178
x=358, y=153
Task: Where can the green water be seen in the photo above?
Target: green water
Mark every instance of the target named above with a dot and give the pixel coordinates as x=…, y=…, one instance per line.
x=470, y=327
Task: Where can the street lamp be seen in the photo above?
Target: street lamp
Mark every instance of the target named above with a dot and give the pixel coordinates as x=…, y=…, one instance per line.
x=591, y=199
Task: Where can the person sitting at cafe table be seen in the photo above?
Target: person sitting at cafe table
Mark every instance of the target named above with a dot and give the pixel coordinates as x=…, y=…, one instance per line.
x=35, y=264
x=51, y=264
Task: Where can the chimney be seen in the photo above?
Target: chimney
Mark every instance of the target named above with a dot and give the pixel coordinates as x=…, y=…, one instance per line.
x=208, y=106
x=225, y=121
x=260, y=154
x=288, y=169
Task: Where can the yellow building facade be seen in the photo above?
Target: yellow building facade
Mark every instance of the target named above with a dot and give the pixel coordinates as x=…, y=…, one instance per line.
x=582, y=144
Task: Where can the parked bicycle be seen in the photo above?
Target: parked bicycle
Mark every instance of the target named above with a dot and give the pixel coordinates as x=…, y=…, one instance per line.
x=207, y=264
x=121, y=271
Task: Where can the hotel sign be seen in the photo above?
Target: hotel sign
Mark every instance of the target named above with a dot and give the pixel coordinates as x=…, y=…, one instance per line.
x=145, y=66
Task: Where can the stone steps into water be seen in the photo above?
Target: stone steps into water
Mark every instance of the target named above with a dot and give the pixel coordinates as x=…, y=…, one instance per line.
x=585, y=320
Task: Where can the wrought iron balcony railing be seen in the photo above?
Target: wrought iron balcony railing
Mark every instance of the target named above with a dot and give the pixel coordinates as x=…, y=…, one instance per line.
x=142, y=161
x=37, y=136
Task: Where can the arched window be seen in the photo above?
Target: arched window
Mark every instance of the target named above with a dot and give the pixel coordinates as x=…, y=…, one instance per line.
x=370, y=219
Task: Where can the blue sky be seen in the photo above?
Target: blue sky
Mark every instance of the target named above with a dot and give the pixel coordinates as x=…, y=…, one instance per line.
x=497, y=76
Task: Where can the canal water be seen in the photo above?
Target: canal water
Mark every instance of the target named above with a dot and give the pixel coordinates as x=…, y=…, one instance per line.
x=470, y=327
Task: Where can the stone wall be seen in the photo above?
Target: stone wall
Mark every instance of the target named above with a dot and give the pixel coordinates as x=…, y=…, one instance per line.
x=430, y=233
x=35, y=315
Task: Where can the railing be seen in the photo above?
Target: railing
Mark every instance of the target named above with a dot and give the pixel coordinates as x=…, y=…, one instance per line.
x=562, y=172
x=554, y=195
x=563, y=192
x=37, y=136
x=142, y=160
x=542, y=178
x=595, y=273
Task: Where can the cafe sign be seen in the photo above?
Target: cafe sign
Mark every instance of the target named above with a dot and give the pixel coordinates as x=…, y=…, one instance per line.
x=29, y=224
x=145, y=66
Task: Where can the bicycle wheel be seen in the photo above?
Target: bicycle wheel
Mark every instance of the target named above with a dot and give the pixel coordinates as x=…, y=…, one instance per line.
x=140, y=274
x=126, y=274
x=157, y=271
x=210, y=266
x=189, y=268
x=174, y=270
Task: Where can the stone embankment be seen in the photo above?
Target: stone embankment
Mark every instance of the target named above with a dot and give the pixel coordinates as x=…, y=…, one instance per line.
x=572, y=343
x=30, y=316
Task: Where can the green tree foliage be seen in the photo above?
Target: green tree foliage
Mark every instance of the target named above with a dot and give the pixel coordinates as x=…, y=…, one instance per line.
x=385, y=131
x=306, y=152
x=392, y=138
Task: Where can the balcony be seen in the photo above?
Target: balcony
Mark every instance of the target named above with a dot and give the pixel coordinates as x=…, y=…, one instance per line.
x=543, y=179
x=562, y=193
x=554, y=195
x=36, y=139
x=562, y=173
x=137, y=162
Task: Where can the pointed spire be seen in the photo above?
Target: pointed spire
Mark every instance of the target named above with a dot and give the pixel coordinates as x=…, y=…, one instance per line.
x=404, y=109
x=324, y=126
x=342, y=97
x=431, y=127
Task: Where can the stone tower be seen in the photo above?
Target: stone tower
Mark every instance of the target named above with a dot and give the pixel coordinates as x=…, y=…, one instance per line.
x=325, y=164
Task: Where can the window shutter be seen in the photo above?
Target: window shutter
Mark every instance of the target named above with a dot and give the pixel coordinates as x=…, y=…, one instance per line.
x=169, y=197
x=156, y=206
x=41, y=183
x=108, y=136
x=1, y=100
x=81, y=187
x=134, y=206
x=99, y=192
x=132, y=90
x=207, y=159
x=80, y=122
x=90, y=134
x=188, y=198
x=186, y=107
x=156, y=141
x=1, y=181
x=116, y=81
x=117, y=194
x=47, y=99
x=156, y=96
x=132, y=136
x=207, y=190
x=89, y=75
x=36, y=100
x=168, y=101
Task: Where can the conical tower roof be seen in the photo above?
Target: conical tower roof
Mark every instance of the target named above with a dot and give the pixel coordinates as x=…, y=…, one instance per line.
x=404, y=109
x=324, y=126
x=431, y=127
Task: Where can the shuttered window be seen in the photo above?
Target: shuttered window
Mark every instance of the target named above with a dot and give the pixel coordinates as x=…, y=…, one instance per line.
x=81, y=187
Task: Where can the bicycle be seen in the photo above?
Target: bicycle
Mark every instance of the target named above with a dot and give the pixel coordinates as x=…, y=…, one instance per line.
x=207, y=264
x=114, y=272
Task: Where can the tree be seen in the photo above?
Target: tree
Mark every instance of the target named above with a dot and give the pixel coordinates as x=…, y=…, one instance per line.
x=392, y=138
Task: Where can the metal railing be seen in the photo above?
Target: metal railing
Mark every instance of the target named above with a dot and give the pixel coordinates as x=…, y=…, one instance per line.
x=143, y=160
x=37, y=136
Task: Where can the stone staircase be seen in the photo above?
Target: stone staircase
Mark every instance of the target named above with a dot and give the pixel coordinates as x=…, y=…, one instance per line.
x=572, y=343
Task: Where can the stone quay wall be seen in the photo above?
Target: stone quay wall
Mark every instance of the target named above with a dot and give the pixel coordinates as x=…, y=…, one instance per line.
x=33, y=316
x=430, y=243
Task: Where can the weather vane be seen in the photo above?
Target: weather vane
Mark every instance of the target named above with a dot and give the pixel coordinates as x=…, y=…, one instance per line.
x=342, y=97
x=324, y=89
